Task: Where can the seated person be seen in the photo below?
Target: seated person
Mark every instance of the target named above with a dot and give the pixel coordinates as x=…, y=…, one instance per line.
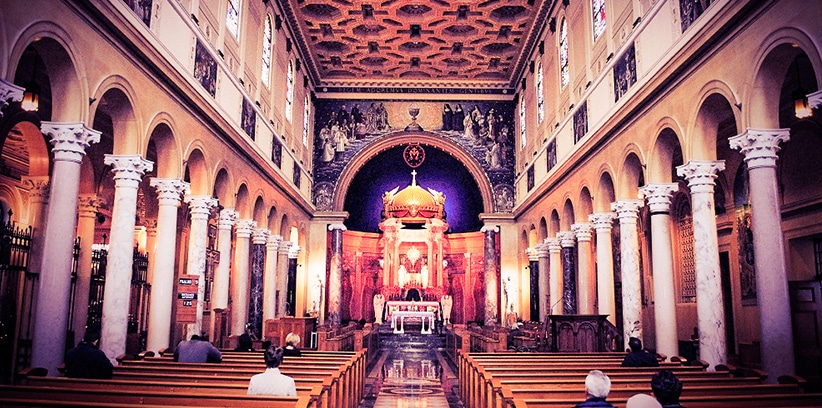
x=642, y=401
x=515, y=331
x=271, y=381
x=197, y=350
x=291, y=342
x=639, y=357
x=88, y=361
x=667, y=389
x=597, y=387
x=245, y=342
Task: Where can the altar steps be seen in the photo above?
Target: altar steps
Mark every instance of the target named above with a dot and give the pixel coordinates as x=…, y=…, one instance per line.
x=411, y=340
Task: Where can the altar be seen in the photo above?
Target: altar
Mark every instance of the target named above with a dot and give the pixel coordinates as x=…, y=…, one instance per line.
x=397, y=311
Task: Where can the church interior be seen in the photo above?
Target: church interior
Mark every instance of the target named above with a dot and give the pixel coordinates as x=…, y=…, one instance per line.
x=432, y=194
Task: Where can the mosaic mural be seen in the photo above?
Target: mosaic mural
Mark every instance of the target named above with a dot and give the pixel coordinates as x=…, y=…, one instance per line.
x=483, y=129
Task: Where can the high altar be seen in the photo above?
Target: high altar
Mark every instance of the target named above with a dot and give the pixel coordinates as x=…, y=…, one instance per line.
x=413, y=259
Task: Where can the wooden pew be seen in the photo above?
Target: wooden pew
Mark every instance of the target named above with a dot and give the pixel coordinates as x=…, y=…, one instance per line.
x=158, y=398
x=702, y=401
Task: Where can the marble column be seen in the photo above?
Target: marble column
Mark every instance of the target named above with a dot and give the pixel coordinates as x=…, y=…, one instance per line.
x=543, y=253
x=255, y=302
x=200, y=209
x=70, y=141
x=9, y=92
x=628, y=214
x=760, y=147
x=701, y=176
x=169, y=194
x=291, y=286
x=282, y=277
x=128, y=172
x=270, y=278
x=38, y=188
x=533, y=279
x=662, y=261
x=587, y=288
x=569, y=276
x=222, y=273
x=239, y=276
x=603, y=224
x=86, y=223
x=554, y=276
x=491, y=277
x=335, y=273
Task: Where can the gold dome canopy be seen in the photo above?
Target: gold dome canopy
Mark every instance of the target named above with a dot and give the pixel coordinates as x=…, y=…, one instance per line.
x=413, y=204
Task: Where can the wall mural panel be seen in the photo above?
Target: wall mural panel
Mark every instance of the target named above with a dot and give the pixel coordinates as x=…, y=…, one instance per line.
x=483, y=129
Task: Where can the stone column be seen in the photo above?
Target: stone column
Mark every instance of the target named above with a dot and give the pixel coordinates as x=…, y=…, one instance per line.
x=128, y=172
x=585, y=270
x=38, y=201
x=335, y=273
x=491, y=278
x=569, y=278
x=169, y=194
x=662, y=261
x=86, y=222
x=70, y=141
x=628, y=213
x=270, y=278
x=554, y=275
x=603, y=224
x=760, y=148
x=543, y=253
x=220, y=285
x=239, y=276
x=255, y=302
x=200, y=209
x=282, y=276
x=701, y=176
x=536, y=299
x=291, y=286
x=9, y=92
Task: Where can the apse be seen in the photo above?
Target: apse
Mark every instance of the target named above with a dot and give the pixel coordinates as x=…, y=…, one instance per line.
x=439, y=171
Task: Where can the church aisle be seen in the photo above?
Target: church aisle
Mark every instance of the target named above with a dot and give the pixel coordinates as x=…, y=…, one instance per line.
x=411, y=378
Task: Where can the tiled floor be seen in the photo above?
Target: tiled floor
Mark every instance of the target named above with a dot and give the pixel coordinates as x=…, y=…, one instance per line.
x=411, y=378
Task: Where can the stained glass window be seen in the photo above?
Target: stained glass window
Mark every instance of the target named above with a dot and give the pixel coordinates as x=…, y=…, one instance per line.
x=598, y=7
x=289, y=91
x=306, y=114
x=540, y=94
x=267, y=40
x=232, y=18
x=522, y=137
x=564, y=74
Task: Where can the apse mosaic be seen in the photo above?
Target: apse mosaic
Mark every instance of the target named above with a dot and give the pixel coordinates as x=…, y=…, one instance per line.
x=482, y=129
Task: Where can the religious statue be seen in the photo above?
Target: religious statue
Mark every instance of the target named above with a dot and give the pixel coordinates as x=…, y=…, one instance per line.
x=379, y=303
x=424, y=275
x=447, y=302
x=401, y=276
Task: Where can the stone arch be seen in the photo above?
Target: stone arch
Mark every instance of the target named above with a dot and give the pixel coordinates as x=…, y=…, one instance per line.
x=244, y=205
x=631, y=177
x=555, y=226
x=533, y=237
x=666, y=153
x=196, y=173
x=585, y=205
x=369, y=152
x=54, y=45
x=770, y=67
x=543, y=229
x=272, y=219
x=115, y=99
x=166, y=146
x=259, y=214
x=223, y=190
x=718, y=105
x=568, y=216
x=285, y=228
x=605, y=190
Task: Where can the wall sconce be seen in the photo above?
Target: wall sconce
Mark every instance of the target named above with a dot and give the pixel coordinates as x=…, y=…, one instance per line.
x=31, y=96
x=801, y=108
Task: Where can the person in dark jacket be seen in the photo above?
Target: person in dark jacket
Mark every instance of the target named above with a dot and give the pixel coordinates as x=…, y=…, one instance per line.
x=597, y=387
x=197, y=350
x=639, y=357
x=88, y=361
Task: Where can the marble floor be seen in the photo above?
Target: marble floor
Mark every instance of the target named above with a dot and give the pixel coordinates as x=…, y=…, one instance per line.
x=411, y=378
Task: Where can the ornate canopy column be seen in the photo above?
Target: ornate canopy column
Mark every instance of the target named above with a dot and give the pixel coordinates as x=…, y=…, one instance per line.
x=701, y=176
x=255, y=302
x=760, y=147
x=86, y=222
x=9, y=92
x=222, y=273
x=270, y=278
x=604, y=224
x=282, y=276
x=569, y=279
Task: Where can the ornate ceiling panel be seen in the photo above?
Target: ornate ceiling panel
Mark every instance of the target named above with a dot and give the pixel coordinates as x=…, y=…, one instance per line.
x=437, y=45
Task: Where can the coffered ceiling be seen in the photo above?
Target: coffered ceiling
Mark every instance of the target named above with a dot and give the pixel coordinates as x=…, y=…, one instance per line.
x=415, y=46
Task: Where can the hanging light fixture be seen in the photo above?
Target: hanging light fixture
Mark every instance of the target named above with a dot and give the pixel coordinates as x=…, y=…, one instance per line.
x=31, y=96
x=801, y=108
